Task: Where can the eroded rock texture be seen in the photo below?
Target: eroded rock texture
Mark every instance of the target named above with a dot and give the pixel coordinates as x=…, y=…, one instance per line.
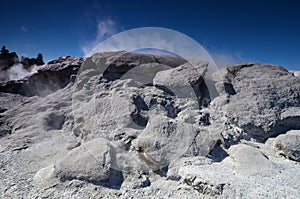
x=266, y=102
x=128, y=125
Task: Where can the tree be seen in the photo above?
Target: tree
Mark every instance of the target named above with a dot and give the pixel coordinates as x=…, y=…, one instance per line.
x=39, y=59
x=4, y=51
x=26, y=62
x=7, y=59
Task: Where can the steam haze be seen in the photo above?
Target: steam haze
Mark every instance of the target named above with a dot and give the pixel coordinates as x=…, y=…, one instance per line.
x=17, y=71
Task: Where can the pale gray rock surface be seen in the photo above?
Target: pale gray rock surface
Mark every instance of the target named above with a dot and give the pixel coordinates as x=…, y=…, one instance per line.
x=113, y=65
x=165, y=139
x=89, y=162
x=114, y=133
x=235, y=178
x=265, y=102
x=287, y=145
x=184, y=81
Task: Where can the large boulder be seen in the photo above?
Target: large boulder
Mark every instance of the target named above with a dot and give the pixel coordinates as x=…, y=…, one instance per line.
x=248, y=160
x=288, y=145
x=164, y=140
x=265, y=101
x=122, y=64
x=89, y=162
x=185, y=81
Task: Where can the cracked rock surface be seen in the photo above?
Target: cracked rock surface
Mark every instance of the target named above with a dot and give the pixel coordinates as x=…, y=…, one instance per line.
x=129, y=125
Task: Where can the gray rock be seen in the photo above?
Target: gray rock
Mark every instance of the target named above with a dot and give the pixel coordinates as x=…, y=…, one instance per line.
x=110, y=134
x=89, y=162
x=246, y=173
x=136, y=182
x=288, y=145
x=184, y=81
x=248, y=160
x=48, y=79
x=261, y=94
x=145, y=73
x=164, y=140
x=121, y=64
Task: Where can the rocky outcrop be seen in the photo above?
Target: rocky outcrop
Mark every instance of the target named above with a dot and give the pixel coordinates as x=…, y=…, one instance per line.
x=122, y=65
x=185, y=81
x=129, y=125
x=48, y=79
x=58, y=73
x=245, y=173
x=265, y=102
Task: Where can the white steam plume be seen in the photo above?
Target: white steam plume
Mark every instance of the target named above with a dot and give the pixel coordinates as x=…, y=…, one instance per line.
x=17, y=71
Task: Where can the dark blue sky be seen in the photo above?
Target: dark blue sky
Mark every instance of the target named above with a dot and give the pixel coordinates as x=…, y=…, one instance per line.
x=231, y=31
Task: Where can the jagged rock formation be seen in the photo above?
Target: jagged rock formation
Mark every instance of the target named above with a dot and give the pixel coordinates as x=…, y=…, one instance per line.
x=148, y=126
x=55, y=75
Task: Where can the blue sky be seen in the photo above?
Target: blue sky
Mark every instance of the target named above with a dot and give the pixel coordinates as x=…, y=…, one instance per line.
x=231, y=31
